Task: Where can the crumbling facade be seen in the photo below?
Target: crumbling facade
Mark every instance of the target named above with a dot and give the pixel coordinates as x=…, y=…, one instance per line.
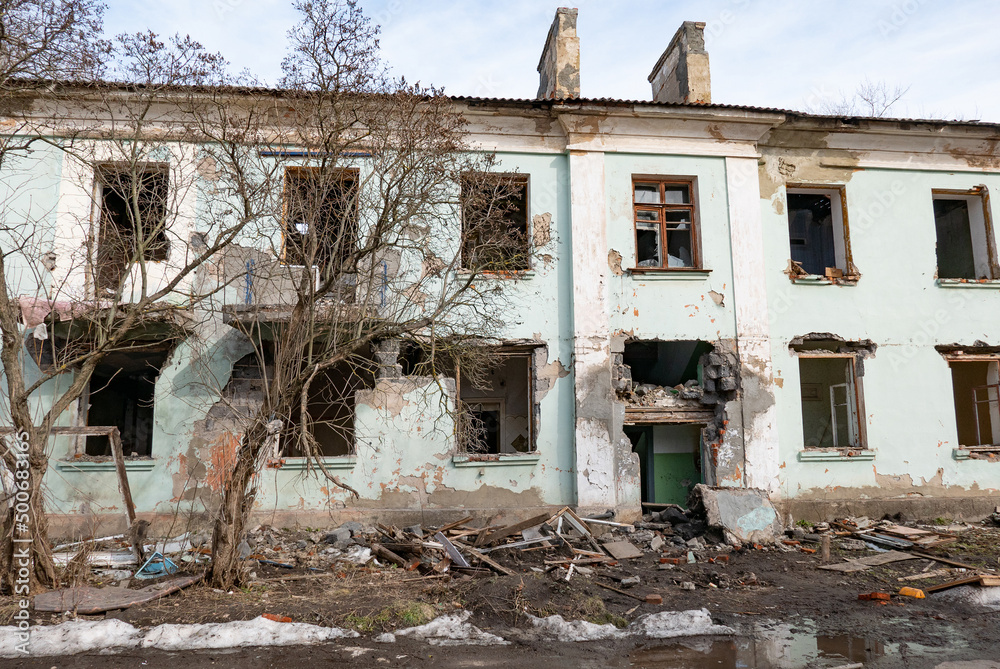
x=717, y=294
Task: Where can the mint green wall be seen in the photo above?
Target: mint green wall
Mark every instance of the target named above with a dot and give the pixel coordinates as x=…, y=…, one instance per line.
x=909, y=408
x=670, y=306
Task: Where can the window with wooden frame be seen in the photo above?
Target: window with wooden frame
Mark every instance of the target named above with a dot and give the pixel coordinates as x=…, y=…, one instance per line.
x=966, y=248
x=817, y=231
x=830, y=392
x=497, y=412
x=495, y=222
x=133, y=210
x=666, y=224
x=976, y=387
x=320, y=216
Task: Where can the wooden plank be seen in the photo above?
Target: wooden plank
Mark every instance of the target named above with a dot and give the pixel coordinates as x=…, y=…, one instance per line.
x=953, y=563
x=116, y=452
x=386, y=554
x=505, y=532
x=952, y=584
x=89, y=600
x=989, y=581
x=862, y=564
x=490, y=561
x=449, y=526
x=452, y=552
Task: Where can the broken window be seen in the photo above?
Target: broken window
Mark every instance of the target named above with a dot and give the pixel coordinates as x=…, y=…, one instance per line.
x=965, y=248
x=497, y=409
x=830, y=397
x=495, y=222
x=121, y=394
x=976, y=384
x=666, y=235
x=321, y=217
x=817, y=233
x=665, y=363
x=331, y=405
x=133, y=208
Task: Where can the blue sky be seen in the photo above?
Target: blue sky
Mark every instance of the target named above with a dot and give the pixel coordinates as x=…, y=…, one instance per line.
x=773, y=54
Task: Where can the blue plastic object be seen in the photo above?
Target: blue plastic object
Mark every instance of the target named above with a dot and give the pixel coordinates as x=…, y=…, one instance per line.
x=156, y=566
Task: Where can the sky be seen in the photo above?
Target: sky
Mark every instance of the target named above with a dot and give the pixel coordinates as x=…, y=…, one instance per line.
x=773, y=53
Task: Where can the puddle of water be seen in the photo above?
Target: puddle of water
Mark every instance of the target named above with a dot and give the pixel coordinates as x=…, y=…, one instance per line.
x=775, y=646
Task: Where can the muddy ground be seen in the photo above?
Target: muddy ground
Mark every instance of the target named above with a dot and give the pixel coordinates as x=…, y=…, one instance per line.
x=752, y=590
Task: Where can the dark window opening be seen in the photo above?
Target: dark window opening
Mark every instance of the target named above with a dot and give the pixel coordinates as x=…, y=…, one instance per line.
x=816, y=232
x=495, y=222
x=829, y=394
x=121, y=395
x=497, y=412
x=133, y=222
x=964, y=249
x=331, y=405
x=665, y=363
x=665, y=231
x=321, y=217
x=976, y=386
x=413, y=359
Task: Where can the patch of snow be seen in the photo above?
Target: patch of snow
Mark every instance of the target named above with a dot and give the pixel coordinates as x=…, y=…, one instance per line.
x=557, y=627
x=237, y=634
x=452, y=630
x=668, y=624
x=73, y=636
x=78, y=636
x=386, y=637
x=663, y=625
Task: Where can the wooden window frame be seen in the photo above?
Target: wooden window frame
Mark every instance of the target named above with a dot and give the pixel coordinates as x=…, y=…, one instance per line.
x=980, y=194
x=697, y=264
x=520, y=352
x=524, y=180
x=859, y=397
x=341, y=172
x=838, y=193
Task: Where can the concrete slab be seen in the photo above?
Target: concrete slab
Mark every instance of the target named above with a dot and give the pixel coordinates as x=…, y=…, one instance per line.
x=744, y=515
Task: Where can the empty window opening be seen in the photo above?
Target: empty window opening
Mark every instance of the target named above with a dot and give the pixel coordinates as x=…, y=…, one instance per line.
x=497, y=413
x=817, y=236
x=121, y=394
x=495, y=222
x=669, y=461
x=332, y=408
x=133, y=208
x=829, y=391
x=321, y=217
x=976, y=385
x=413, y=359
x=665, y=363
x=666, y=235
x=965, y=249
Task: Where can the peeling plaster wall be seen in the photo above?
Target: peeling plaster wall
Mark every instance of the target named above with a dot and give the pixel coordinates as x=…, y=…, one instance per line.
x=909, y=411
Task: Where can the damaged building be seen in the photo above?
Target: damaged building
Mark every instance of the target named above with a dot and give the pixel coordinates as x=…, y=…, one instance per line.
x=743, y=297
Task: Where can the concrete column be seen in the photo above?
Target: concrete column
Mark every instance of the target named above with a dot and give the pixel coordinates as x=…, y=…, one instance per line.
x=603, y=464
x=760, y=436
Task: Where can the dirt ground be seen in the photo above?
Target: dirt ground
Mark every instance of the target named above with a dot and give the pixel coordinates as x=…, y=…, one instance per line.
x=747, y=589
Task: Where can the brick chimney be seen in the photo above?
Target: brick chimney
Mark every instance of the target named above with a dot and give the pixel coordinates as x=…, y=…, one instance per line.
x=559, y=67
x=681, y=74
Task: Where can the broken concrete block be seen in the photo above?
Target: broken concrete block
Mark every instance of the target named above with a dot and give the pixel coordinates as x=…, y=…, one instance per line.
x=622, y=550
x=353, y=527
x=744, y=515
x=341, y=535
x=727, y=383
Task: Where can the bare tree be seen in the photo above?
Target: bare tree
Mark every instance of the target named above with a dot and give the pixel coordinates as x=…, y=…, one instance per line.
x=118, y=274
x=366, y=245
x=874, y=99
